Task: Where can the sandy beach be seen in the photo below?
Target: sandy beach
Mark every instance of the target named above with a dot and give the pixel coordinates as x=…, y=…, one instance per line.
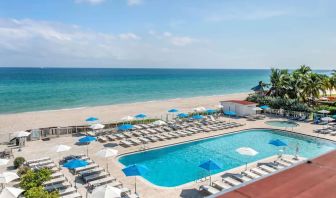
x=109, y=113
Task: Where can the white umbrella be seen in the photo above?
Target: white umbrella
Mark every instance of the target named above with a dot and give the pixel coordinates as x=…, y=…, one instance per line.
x=127, y=118
x=106, y=192
x=199, y=109
x=327, y=119
x=159, y=123
x=106, y=153
x=97, y=126
x=324, y=111
x=247, y=151
x=7, y=177
x=10, y=192
x=257, y=109
x=3, y=162
x=61, y=148
x=219, y=106
x=20, y=134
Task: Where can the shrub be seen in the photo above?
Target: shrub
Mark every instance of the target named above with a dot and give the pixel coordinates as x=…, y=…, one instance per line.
x=39, y=192
x=35, y=178
x=18, y=162
x=23, y=170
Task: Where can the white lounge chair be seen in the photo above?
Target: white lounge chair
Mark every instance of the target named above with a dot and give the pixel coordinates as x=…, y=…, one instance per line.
x=221, y=185
x=126, y=143
x=231, y=181
x=209, y=189
x=259, y=171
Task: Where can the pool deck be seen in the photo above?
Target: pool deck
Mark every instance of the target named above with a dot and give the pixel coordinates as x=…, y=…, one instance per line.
x=38, y=149
x=316, y=179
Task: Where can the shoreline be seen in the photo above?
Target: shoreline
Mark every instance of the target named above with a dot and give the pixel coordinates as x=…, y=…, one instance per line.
x=106, y=113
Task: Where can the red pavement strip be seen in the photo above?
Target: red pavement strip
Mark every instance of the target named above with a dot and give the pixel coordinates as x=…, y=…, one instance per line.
x=314, y=180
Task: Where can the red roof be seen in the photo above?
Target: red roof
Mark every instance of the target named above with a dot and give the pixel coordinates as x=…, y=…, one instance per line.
x=242, y=102
x=317, y=179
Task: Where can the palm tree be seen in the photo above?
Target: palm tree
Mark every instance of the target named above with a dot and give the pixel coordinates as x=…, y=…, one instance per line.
x=279, y=81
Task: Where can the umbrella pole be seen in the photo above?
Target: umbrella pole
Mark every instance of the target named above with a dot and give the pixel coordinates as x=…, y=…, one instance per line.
x=210, y=177
x=135, y=184
x=107, y=166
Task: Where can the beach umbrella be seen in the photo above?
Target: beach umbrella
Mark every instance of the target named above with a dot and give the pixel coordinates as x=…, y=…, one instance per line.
x=264, y=107
x=257, y=109
x=7, y=177
x=91, y=119
x=210, y=165
x=97, y=126
x=125, y=127
x=197, y=117
x=87, y=139
x=127, y=118
x=173, y=110
x=210, y=111
x=327, y=119
x=183, y=115
x=199, y=109
x=247, y=151
x=106, y=153
x=75, y=163
x=230, y=113
x=140, y=116
x=106, y=192
x=159, y=123
x=135, y=170
x=3, y=162
x=324, y=111
x=10, y=192
x=277, y=142
x=61, y=148
x=20, y=134
x=219, y=106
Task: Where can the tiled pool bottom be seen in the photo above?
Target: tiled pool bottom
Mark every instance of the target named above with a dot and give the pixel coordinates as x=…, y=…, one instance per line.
x=176, y=165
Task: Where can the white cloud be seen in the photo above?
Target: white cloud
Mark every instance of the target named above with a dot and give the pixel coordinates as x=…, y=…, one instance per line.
x=134, y=2
x=181, y=40
x=129, y=36
x=93, y=2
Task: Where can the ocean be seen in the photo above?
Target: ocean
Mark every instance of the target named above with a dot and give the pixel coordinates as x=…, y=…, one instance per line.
x=38, y=89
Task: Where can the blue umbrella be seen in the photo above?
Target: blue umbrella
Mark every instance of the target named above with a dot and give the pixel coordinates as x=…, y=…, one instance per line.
x=211, y=111
x=183, y=115
x=135, y=170
x=172, y=110
x=277, y=142
x=125, y=127
x=87, y=139
x=264, y=107
x=197, y=117
x=140, y=116
x=209, y=166
x=91, y=119
x=75, y=163
x=230, y=113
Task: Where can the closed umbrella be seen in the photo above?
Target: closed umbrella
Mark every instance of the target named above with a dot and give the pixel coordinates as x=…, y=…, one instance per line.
x=106, y=153
x=210, y=165
x=135, y=170
x=106, y=192
x=10, y=192
x=7, y=177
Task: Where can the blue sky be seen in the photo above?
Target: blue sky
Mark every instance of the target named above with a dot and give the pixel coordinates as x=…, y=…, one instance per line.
x=168, y=33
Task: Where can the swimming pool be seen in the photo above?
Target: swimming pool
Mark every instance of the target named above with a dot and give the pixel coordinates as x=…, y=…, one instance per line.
x=278, y=123
x=176, y=165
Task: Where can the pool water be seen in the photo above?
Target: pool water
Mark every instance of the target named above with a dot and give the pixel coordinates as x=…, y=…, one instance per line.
x=282, y=123
x=176, y=165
